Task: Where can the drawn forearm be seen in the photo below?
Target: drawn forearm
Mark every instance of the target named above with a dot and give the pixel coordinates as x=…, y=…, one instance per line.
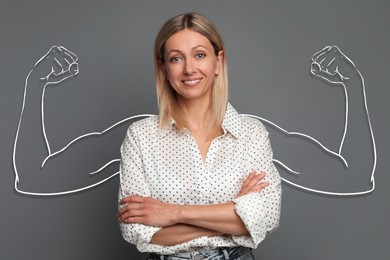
x=29, y=127
x=358, y=142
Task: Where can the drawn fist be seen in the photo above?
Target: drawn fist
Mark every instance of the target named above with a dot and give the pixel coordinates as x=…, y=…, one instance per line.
x=331, y=65
x=57, y=65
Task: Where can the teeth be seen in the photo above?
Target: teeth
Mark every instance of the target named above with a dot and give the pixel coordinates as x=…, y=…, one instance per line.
x=191, y=81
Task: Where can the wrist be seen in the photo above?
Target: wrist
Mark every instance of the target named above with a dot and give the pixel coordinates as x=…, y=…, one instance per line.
x=178, y=214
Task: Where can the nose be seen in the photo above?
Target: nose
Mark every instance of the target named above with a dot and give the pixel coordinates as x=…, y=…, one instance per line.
x=188, y=67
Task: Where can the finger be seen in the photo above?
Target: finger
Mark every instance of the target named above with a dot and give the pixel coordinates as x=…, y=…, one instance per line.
x=247, y=183
x=68, y=53
x=329, y=73
x=131, y=213
x=139, y=220
x=132, y=199
x=73, y=69
x=325, y=65
x=249, y=178
x=261, y=175
x=328, y=63
x=70, y=59
x=331, y=66
x=130, y=207
x=315, y=68
x=259, y=187
x=257, y=178
x=316, y=56
x=54, y=78
x=62, y=59
x=252, y=181
x=58, y=64
x=255, y=188
x=334, y=59
x=329, y=57
x=263, y=184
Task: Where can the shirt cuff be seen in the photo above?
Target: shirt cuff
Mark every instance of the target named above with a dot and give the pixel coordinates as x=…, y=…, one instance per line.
x=251, y=211
x=139, y=235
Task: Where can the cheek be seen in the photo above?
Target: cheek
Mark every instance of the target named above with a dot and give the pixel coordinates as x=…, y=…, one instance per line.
x=212, y=71
x=210, y=66
x=173, y=72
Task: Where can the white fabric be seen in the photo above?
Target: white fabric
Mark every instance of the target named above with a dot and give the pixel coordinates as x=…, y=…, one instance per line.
x=167, y=166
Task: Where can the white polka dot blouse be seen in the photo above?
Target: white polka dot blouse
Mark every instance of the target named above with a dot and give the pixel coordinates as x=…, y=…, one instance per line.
x=167, y=166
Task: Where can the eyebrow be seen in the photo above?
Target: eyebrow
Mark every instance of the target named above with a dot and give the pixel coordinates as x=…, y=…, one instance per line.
x=193, y=48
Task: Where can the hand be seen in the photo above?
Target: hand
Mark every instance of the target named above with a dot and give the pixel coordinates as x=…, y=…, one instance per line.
x=56, y=65
x=332, y=65
x=252, y=184
x=146, y=210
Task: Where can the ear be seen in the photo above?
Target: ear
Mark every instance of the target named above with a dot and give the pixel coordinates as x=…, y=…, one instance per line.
x=220, y=58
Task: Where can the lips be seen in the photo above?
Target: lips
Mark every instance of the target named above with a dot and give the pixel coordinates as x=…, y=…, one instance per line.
x=191, y=82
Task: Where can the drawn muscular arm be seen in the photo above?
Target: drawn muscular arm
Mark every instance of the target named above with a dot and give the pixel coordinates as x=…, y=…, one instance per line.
x=40, y=170
x=348, y=170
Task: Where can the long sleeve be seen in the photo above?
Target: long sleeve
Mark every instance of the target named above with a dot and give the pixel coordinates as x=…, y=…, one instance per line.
x=133, y=182
x=260, y=212
x=167, y=166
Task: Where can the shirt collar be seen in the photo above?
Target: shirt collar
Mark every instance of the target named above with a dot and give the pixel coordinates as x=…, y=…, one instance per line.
x=167, y=128
x=231, y=123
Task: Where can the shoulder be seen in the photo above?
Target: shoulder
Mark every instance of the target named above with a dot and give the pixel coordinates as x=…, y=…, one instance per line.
x=147, y=126
x=242, y=124
x=146, y=122
x=253, y=127
x=250, y=121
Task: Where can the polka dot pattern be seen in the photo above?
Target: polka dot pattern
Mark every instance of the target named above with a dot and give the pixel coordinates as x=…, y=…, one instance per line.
x=167, y=165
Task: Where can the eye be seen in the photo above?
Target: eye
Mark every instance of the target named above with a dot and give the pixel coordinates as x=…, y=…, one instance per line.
x=175, y=59
x=200, y=55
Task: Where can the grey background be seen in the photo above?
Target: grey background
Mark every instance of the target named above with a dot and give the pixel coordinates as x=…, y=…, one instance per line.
x=269, y=45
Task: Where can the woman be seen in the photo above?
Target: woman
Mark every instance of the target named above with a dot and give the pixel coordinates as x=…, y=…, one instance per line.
x=197, y=181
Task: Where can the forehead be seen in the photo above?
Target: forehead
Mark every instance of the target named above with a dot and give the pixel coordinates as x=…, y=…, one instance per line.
x=186, y=40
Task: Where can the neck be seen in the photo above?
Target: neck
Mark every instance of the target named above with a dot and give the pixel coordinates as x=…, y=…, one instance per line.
x=196, y=114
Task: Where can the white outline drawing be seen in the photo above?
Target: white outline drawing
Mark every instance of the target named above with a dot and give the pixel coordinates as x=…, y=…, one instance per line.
x=65, y=65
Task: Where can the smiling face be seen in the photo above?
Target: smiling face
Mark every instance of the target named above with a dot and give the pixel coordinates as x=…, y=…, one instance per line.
x=190, y=65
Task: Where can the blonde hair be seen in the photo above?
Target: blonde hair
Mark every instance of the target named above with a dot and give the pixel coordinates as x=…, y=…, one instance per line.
x=166, y=95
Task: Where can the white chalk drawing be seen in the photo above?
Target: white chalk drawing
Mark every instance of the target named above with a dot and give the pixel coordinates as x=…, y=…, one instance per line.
x=63, y=64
